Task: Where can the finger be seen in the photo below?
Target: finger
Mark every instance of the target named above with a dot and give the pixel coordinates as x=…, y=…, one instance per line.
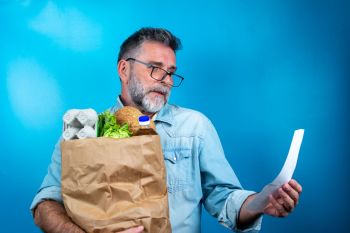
x=295, y=185
x=138, y=229
x=280, y=211
x=291, y=192
x=287, y=202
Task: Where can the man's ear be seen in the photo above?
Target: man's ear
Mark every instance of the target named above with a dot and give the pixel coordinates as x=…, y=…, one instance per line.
x=123, y=70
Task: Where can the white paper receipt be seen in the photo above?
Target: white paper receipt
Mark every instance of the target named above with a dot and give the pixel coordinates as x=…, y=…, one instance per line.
x=262, y=198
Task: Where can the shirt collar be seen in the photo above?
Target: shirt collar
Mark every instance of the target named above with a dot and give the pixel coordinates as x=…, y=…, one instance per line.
x=164, y=115
x=119, y=103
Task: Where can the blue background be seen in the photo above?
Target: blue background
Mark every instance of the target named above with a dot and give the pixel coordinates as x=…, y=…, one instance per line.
x=258, y=69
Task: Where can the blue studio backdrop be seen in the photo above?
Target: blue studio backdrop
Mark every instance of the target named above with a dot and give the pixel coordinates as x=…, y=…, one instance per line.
x=258, y=69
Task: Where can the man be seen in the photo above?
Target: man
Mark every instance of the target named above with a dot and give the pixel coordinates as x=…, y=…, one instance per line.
x=197, y=171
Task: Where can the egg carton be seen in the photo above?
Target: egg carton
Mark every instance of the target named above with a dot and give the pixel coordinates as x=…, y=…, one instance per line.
x=79, y=124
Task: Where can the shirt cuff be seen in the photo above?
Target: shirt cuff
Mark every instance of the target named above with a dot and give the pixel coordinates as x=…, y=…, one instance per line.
x=47, y=193
x=230, y=213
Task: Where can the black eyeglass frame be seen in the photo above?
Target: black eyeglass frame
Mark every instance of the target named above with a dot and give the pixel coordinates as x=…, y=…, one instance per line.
x=149, y=65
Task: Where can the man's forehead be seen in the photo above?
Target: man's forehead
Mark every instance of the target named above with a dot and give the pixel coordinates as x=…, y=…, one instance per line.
x=157, y=52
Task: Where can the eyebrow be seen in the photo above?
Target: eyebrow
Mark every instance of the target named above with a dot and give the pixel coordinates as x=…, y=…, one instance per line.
x=160, y=64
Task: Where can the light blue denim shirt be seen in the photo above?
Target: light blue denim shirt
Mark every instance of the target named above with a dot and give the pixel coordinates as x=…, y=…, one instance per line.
x=197, y=172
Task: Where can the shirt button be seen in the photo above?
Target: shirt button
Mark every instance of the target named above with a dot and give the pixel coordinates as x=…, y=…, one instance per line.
x=175, y=158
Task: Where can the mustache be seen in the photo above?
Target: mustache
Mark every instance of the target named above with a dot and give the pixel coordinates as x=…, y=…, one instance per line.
x=161, y=89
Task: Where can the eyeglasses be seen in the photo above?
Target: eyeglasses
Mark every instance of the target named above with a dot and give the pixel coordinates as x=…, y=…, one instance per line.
x=160, y=74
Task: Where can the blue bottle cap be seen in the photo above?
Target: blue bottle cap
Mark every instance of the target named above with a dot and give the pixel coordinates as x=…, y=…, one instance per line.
x=143, y=118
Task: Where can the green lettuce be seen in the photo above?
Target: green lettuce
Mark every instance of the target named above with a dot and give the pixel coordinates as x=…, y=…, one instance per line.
x=108, y=127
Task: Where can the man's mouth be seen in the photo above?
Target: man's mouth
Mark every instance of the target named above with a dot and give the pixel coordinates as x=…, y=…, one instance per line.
x=159, y=93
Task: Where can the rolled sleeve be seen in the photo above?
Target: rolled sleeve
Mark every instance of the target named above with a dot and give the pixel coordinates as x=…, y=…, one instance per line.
x=230, y=213
x=50, y=188
x=47, y=193
x=223, y=194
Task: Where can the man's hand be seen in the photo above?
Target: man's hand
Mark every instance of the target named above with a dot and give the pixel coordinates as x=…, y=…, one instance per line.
x=285, y=199
x=138, y=229
x=280, y=205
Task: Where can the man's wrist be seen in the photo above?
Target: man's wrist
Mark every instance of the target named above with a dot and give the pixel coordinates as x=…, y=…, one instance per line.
x=70, y=227
x=245, y=216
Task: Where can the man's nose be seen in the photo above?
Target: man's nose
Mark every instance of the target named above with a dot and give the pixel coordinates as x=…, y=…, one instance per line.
x=168, y=79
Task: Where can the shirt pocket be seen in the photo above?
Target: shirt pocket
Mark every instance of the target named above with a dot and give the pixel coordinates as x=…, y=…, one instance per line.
x=178, y=164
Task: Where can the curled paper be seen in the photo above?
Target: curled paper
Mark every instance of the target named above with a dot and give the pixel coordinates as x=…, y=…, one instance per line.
x=261, y=199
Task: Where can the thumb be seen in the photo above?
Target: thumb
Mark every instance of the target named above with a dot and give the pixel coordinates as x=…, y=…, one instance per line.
x=138, y=229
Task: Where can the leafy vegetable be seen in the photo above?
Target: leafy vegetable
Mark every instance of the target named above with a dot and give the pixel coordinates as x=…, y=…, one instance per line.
x=108, y=127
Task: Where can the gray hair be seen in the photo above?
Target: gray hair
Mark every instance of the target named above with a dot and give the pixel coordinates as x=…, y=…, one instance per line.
x=133, y=42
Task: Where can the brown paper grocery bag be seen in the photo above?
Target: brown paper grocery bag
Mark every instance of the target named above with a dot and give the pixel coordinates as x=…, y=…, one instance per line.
x=110, y=185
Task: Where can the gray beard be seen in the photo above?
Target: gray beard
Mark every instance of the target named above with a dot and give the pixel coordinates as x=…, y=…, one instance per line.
x=140, y=95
